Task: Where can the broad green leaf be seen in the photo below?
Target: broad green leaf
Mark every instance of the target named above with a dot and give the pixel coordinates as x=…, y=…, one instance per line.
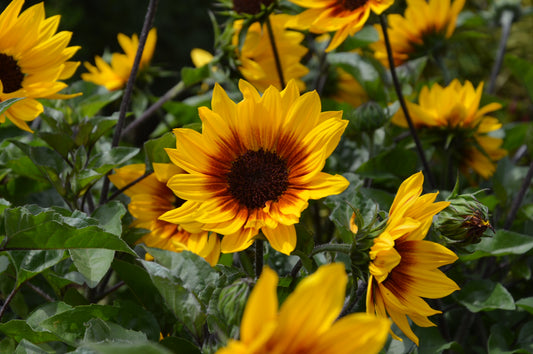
x=110, y=216
x=92, y=263
x=70, y=324
x=154, y=149
x=122, y=348
x=500, y=340
x=485, y=295
x=136, y=317
x=99, y=331
x=526, y=303
x=7, y=345
x=47, y=310
x=26, y=347
x=107, y=160
x=61, y=142
x=31, y=262
x=525, y=337
x=4, y=263
x=91, y=129
x=390, y=164
x=180, y=345
x=503, y=243
x=19, y=329
x=191, y=76
x=4, y=105
x=33, y=227
x=182, y=113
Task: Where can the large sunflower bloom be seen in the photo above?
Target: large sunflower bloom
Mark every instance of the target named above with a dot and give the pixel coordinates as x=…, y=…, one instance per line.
x=455, y=109
x=344, y=17
x=150, y=198
x=306, y=322
x=423, y=29
x=258, y=64
x=404, y=267
x=255, y=165
x=33, y=58
x=115, y=76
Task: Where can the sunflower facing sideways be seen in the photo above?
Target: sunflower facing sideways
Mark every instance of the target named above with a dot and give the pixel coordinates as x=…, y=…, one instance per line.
x=258, y=64
x=150, y=198
x=33, y=58
x=344, y=17
x=307, y=320
x=255, y=165
x=116, y=75
x=454, y=112
x=404, y=266
x=422, y=30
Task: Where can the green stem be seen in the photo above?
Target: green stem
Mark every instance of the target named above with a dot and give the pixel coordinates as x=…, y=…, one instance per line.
x=331, y=247
x=506, y=21
x=275, y=51
x=258, y=257
x=8, y=301
x=397, y=87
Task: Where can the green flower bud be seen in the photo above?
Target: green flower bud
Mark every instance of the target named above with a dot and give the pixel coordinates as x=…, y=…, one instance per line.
x=465, y=221
x=367, y=117
x=231, y=302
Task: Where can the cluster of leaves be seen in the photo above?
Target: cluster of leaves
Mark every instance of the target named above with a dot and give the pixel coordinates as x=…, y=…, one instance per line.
x=72, y=278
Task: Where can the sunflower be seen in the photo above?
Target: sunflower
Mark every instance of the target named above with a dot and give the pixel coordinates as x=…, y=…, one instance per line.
x=348, y=89
x=255, y=165
x=422, y=30
x=306, y=322
x=258, y=64
x=33, y=57
x=116, y=76
x=151, y=198
x=404, y=267
x=454, y=111
x=345, y=17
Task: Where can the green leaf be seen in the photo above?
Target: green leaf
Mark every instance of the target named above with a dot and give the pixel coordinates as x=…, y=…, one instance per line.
x=45, y=311
x=19, y=329
x=526, y=303
x=503, y=243
x=522, y=70
x=26, y=347
x=110, y=216
x=92, y=263
x=122, y=348
x=484, y=295
x=102, y=331
x=390, y=164
x=61, y=142
x=70, y=324
x=33, y=227
x=191, y=76
x=109, y=159
x=180, y=345
x=4, y=105
x=30, y=263
x=91, y=129
x=500, y=340
x=154, y=149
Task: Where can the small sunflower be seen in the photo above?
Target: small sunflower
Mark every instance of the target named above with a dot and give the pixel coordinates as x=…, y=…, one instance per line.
x=115, y=76
x=344, y=17
x=258, y=64
x=348, y=89
x=150, y=198
x=455, y=110
x=404, y=267
x=423, y=29
x=33, y=58
x=307, y=320
x=255, y=165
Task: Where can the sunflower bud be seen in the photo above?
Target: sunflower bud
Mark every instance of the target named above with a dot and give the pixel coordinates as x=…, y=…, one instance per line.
x=231, y=301
x=368, y=117
x=251, y=7
x=465, y=221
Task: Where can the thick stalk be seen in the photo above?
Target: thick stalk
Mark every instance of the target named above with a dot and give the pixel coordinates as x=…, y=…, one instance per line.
x=506, y=21
x=258, y=257
x=275, y=51
x=397, y=87
x=148, y=21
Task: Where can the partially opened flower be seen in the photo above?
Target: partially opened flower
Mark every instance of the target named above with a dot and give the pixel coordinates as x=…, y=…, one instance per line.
x=307, y=320
x=423, y=30
x=404, y=266
x=150, y=198
x=33, y=60
x=258, y=63
x=255, y=165
x=115, y=76
x=344, y=17
x=454, y=110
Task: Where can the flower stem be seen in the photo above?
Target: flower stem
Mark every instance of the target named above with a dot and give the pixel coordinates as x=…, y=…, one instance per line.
x=330, y=247
x=277, y=58
x=148, y=21
x=170, y=94
x=412, y=130
x=8, y=300
x=506, y=21
x=258, y=257
x=519, y=198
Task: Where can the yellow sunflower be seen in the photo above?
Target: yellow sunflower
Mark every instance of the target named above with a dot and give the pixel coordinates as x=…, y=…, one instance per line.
x=348, y=89
x=150, y=198
x=344, y=17
x=423, y=29
x=307, y=320
x=455, y=109
x=115, y=76
x=33, y=58
x=258, y=64
x=404, y=267
x=255, y=165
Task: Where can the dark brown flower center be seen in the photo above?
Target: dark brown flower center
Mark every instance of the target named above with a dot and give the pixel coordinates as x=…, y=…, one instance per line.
x=351, y=5
x=10, y=74
x=250, y=6
x=257, y=177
